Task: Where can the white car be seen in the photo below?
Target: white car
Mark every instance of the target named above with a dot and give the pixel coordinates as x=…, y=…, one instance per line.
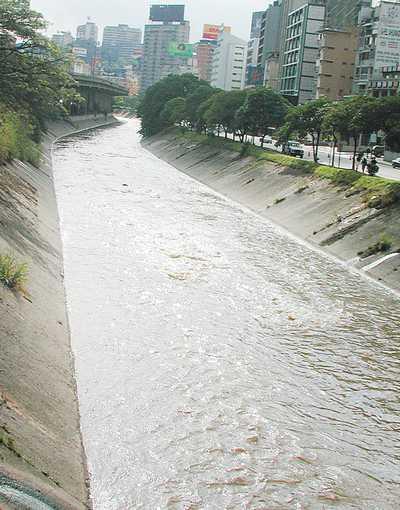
x=396, y=163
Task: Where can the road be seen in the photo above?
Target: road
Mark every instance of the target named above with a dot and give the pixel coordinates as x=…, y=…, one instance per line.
x=345, y=160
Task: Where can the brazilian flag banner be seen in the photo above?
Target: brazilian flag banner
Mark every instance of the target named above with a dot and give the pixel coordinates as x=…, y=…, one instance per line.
x=182, y=50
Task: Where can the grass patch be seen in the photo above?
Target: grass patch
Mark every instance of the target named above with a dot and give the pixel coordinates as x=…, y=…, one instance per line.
x=12, y=274
x=16, y=141
x=378, y=192
x=383, y=245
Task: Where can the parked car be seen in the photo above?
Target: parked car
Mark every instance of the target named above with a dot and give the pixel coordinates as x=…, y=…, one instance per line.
x=378, y=150
x=396, y=163
x=293, y=148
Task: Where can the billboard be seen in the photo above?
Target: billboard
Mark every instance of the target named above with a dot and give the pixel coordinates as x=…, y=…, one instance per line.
x=212, y=31
x=388, y=38
x=181, y=50
x=167, y=13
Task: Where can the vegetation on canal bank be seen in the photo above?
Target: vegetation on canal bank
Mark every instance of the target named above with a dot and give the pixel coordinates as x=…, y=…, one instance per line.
x=35, y=84
x=12, y=274
x=377, y=192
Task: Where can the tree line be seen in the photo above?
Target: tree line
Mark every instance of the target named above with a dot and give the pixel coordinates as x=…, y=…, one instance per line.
x=194, y=104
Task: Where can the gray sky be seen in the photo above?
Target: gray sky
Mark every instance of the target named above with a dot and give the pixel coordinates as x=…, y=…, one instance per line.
x=66, y=15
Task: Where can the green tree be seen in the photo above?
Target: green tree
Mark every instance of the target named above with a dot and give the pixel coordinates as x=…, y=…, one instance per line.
x=264, y=109
x=308, y=120
x=223, y=109
x=34, y=75
x=156, y=97
x=174, y=112
x=193, y=102
x=387, y=118
x=352, y=118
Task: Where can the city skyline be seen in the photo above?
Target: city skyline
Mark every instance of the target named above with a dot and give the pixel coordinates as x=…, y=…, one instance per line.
x=198, y=12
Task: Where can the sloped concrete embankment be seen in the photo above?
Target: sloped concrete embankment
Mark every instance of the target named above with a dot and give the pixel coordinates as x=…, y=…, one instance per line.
x=337, y=219
x=41, y=453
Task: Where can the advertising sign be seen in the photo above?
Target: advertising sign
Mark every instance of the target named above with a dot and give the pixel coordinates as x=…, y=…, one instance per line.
x=181, y=50
x=388, y=37
x=167, y=13
x=212, y=31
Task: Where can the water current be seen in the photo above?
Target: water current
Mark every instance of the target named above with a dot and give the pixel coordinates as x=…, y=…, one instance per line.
x=221, y=364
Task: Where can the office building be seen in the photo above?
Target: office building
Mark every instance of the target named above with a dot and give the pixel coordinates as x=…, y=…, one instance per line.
x=120, y=43
x=298, y=77
x=166, y=48
x=379, y=45
x=88, y=32
x=335, y=64
x=229, y=63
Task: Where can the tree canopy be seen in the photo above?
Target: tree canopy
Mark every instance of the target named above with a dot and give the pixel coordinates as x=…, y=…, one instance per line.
x=34, y=76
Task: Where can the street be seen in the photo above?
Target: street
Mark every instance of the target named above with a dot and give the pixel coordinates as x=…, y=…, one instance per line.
x=342, y=160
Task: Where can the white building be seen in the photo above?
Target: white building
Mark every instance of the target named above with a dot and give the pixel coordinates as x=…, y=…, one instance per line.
x=229, y=63
x=379, y=45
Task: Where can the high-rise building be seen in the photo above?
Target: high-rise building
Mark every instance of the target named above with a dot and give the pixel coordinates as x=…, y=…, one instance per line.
x=342, y=14
x=379, y=44
x=335, y=64
x=269, y=45
x=300, y=52
x=120, y=43
x=88, y=32
x=254, y=76
x=166, y=49
x=63, y=39
x=229, y=63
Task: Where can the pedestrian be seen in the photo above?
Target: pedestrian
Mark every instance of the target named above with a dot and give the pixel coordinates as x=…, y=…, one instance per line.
x=364, y=164
x=359, y=158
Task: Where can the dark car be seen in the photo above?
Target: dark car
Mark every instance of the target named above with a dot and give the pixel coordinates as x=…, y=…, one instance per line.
x=396, y=163
x=378, y=151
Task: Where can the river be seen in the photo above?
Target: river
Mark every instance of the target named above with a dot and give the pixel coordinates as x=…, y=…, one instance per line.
x=221, y=364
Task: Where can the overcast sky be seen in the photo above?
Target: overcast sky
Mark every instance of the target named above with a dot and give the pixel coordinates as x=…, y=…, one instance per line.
x=66, y=15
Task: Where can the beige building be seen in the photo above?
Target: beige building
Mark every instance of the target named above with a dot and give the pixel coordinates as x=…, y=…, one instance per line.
x=336, y=62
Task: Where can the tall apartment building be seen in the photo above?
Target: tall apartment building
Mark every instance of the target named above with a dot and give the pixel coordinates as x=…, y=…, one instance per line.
x=120, y=43
x=205, y=49
x=165, y=30
x=378, y=46
x=88, y=32
x=335, y=64
x=269, y=45
x=229, y=63
x=300, y=52
x=205, y=52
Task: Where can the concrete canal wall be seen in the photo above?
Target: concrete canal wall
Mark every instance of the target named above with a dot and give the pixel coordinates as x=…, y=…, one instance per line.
x=340, y=218
x=41, y=451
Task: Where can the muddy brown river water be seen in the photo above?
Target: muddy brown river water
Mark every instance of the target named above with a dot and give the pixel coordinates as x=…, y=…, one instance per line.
x=221, y=363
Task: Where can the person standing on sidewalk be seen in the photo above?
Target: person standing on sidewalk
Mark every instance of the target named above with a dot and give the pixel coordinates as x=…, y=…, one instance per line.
x=364, y=164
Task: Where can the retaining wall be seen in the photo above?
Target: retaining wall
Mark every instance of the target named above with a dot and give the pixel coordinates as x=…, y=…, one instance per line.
x=41, y=452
